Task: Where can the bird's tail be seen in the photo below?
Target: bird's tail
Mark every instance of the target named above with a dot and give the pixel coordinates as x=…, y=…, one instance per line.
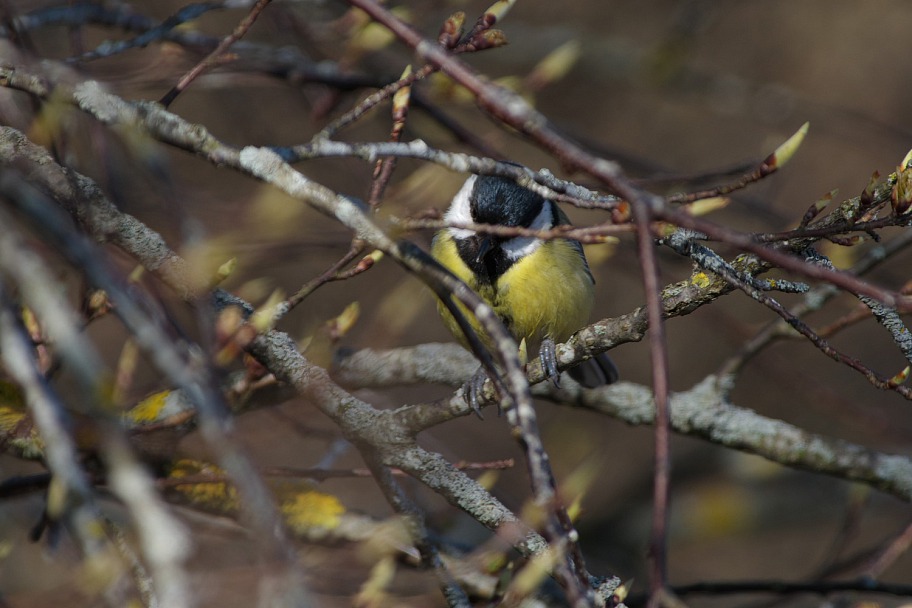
x=597, y=371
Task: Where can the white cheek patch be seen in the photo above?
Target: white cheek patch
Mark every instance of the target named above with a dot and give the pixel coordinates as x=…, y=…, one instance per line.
x=460, y=211
x=522, y=246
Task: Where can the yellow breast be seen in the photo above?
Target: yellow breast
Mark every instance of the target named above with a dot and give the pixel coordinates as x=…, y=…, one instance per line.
x=547, y=294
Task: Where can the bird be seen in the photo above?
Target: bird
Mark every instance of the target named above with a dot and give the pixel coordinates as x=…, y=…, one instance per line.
x=541, y=290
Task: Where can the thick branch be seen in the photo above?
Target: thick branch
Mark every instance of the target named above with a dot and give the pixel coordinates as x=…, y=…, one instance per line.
x=703, y=411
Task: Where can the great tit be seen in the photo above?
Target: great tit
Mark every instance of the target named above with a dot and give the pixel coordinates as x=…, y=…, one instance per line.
x=542, y=290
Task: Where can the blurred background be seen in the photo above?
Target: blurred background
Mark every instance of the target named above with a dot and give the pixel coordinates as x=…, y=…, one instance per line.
x=670, y=89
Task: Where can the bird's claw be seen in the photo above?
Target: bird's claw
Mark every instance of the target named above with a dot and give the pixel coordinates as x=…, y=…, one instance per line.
x=473, y=391
x=547, y=352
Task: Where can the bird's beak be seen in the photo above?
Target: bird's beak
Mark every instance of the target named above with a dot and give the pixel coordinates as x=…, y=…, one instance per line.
x=485, y=243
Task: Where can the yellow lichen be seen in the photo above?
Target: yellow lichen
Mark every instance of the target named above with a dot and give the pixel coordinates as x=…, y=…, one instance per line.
x=215, y=495
x=10, y=419
x=18, y=435
x=311, y=509
x=149, y=409
x=701, y=280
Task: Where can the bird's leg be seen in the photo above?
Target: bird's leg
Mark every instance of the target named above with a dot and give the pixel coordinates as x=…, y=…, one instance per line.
x=548, y=354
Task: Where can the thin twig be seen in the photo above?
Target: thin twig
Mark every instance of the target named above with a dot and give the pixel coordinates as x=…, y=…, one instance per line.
x=215, y=57
x=368, y=103
x=755, y=173
x=658, y=351
x=709, y=260
x=860, y=313
x=813, y=301
x=153, y=33
x=384, y=167
x=888, y=556
x=331, y=274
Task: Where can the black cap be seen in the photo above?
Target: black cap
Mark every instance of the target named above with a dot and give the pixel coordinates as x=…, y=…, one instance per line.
x=498, y=200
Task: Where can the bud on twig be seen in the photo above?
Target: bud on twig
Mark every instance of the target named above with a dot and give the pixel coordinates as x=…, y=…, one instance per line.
x=815, y=209
x=900, y=378
x=451, y=30
x=786, y=151
x=484, y=40
x=867, y=196
x=901, y=195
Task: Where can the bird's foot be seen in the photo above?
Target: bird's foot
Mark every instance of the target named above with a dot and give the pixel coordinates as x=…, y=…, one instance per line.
x=473, y=391
x=547, y=352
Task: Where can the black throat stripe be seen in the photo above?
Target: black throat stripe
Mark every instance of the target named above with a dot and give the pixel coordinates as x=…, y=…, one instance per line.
x=491, y=267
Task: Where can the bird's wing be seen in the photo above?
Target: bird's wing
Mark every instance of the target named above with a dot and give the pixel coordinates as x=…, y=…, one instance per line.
x=561, y=219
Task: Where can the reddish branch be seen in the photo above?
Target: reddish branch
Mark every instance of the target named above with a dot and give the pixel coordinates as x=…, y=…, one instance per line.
x=512, y=110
